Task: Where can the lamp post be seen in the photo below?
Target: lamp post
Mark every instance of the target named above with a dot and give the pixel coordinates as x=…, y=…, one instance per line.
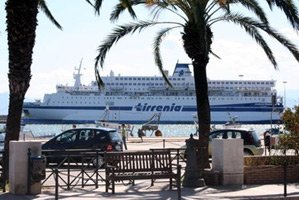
x=284, y=93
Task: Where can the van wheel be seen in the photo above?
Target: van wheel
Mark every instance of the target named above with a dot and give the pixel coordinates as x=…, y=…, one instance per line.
x=100, y=161
x=248, y=153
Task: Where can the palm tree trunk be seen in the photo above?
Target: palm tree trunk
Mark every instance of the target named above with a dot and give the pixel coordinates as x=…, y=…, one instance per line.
x=21, y=26
x=203, y=112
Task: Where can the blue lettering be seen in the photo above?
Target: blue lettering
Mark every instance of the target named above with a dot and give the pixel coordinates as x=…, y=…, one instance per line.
x=166, y=108
x=159, y=108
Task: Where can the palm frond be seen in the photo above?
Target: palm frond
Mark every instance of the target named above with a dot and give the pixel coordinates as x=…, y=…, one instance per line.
x=281, y=39
x=125, y=5
x=99, y=80
x=254, y=6
x=157, y=42
x=119, y=32
x=89, y=3
x=290, y=10
x=249, y=26
x=211, y=52
x=97, y=6
x=43, y=6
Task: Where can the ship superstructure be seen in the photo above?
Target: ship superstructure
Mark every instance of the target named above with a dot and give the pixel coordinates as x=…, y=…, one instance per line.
x=133, y=99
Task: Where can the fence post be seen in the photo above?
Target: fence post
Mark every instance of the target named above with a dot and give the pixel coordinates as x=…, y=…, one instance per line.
x=97, y=168
x=29, y=172
x=56, y=183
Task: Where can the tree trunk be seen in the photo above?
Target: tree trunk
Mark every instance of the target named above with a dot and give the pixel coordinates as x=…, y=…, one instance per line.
x=21, y=26
x=203, y=112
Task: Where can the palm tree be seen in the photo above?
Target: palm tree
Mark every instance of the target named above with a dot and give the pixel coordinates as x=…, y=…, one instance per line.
x=198, y=18
x=21, y=25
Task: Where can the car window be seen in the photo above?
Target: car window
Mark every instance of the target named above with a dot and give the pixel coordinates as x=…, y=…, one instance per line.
x=101, y=135
x=85, y=134
x=254, y=135
x=230, y=134
x=115, y=136
x=67, y=137
x=217, y=134
x=90, y=134
x=237, y=134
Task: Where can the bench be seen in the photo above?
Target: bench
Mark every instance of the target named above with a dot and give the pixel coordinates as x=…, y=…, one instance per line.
x=140, y=165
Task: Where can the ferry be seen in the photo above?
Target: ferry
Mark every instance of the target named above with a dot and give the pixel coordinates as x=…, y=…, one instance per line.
x=134, y=99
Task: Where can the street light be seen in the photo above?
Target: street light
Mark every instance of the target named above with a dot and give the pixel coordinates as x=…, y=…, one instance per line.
x=284, y=93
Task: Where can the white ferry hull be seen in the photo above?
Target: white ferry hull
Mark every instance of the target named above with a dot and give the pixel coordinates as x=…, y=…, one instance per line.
x=177, y=113
x=134, y=99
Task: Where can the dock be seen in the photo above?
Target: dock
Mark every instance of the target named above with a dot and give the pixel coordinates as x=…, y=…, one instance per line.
x=3, y=119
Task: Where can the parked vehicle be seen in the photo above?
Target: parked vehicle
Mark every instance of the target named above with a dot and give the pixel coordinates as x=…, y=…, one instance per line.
x=100, y=138
x=252, y=142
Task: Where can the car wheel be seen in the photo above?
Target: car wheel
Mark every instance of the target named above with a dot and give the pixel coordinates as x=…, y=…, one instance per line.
x=100, y=161
x=248, y=153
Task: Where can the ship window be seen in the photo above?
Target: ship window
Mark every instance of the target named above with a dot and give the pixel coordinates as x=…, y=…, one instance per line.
x=130, y=79
x=138, y=79
x=116, y=79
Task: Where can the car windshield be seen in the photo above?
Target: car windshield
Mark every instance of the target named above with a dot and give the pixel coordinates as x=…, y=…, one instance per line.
x=255, y=136
x=115, y=136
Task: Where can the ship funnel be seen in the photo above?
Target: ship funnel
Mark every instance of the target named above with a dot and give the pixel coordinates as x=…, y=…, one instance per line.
x=182, y=69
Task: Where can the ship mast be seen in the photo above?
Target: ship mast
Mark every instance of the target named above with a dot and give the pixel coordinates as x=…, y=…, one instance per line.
x=77, y=76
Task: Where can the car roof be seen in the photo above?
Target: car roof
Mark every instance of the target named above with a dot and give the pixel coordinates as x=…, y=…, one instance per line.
x=235, y=129
x=95, y=128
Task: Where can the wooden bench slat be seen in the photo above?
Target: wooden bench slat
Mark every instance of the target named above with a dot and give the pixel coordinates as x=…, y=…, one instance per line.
x=141, y=165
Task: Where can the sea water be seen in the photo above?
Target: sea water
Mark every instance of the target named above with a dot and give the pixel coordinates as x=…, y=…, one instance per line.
x=168, y=130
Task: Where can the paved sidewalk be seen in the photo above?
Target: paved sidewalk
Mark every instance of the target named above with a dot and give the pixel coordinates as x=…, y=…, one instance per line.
x=142, y=190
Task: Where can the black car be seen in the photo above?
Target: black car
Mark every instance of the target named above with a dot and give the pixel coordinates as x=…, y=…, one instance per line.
x=101, y=139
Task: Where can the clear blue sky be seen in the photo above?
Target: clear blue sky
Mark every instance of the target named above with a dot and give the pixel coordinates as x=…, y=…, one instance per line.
x=56, y=52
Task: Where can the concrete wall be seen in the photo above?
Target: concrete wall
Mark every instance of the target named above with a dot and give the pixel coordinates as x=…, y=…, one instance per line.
x=227, y=158
x=18, y=166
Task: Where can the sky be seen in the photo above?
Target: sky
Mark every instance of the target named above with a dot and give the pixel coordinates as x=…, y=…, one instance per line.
x=57, y=53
